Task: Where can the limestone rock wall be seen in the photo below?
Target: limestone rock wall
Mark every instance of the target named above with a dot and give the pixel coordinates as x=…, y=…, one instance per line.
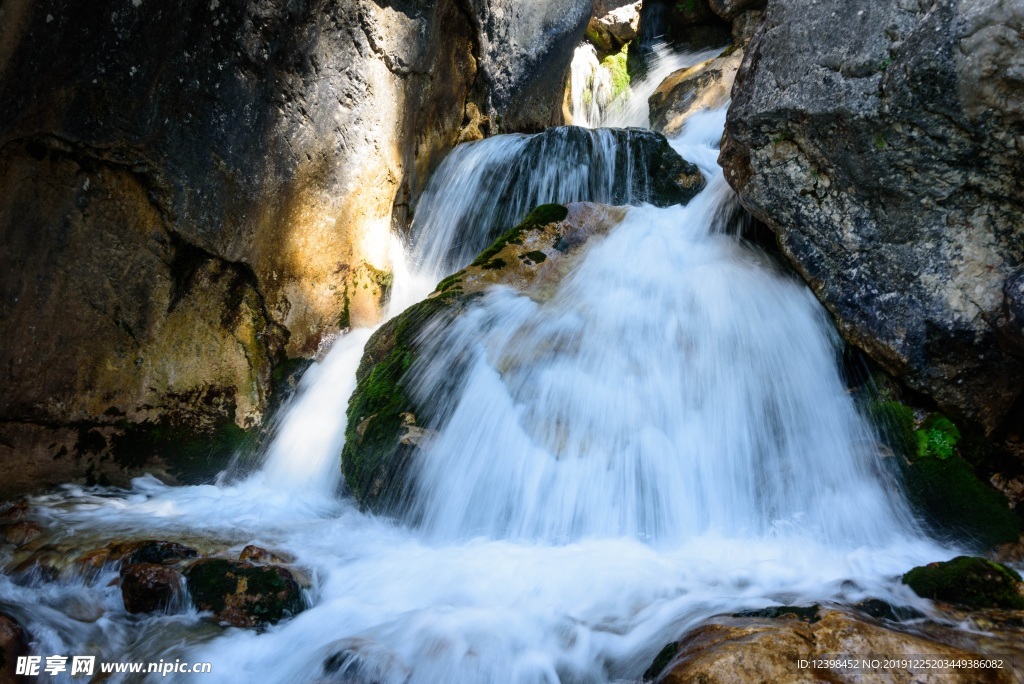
x=887, y=158
x=192, y=193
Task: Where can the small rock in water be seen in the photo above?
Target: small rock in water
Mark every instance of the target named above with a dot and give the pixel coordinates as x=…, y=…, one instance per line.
x=150, y=588
x=21, y=533
x=258, y=554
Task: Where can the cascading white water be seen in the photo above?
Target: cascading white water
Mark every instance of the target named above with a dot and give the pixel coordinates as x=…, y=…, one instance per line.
x=663, y=440
x=593, y=102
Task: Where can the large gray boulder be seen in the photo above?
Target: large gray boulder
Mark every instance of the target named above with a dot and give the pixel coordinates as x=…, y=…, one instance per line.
x=883, y=143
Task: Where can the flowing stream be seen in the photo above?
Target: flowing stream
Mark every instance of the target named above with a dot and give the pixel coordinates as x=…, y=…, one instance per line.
x=665, y=439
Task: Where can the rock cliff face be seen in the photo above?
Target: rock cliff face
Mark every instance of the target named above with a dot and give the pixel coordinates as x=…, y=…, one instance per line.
x=193, y=192
x=525, y=51
x=888, y=160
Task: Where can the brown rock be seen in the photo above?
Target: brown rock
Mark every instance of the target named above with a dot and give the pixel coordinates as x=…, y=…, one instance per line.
x=150, y=588
x=257, y=554
x=731, y=649
x=705, y=86
x=21, y=533
x=14, y=642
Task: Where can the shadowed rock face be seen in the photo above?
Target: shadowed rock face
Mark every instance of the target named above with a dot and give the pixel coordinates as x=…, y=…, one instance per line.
x=193, y=192
x=525, y=51
x=888, y=159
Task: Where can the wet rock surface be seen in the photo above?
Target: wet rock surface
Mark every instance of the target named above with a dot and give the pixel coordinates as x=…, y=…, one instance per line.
x=151, y=588
x=886, y=159
x=759, y=649
x=703, y=87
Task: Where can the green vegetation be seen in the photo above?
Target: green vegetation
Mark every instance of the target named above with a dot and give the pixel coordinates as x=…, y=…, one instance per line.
x=536, y=257
x=687, y=7
x=971, y=582
x=879, y=142
x=371, y=459
x=940, y=484
x=616, y=66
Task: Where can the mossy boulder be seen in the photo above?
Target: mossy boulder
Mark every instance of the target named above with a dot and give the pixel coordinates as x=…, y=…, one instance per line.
x=386, y=426
x=970, y=582
x=244, y=594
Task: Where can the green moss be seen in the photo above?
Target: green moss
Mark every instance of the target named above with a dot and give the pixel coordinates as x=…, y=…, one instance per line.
x=896, y=423
x=449, y=282
x=880, y=142
x=345, y=320
x=375, y=410
x=949, y=494
x=971, y=582
x=539, y=217
x=616, y=65
x=494, y=264
x=941, y=486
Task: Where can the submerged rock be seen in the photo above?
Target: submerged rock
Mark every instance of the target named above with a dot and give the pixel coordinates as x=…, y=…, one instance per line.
x=969, y=582
x=887, y=159
x=383, y=431
x=243, y=594
x=783, y=650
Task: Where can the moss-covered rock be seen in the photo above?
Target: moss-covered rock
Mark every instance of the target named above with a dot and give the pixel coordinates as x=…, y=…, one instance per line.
x=943, y=488
x=243, y=594
x=967, y=581
x=385, y=424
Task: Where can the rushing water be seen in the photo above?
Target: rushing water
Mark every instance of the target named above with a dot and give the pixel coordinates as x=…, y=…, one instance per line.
x=593, y=101
x=665, y=439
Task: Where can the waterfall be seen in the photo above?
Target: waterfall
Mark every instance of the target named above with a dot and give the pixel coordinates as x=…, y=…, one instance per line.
x=663, y=440
x=593, y=101
x=674, y=385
